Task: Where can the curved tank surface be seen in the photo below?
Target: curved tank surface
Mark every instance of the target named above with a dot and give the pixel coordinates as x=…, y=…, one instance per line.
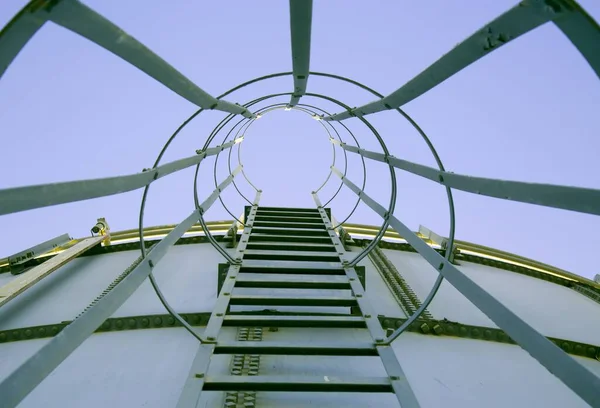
x=453, y=354
x=287, y=303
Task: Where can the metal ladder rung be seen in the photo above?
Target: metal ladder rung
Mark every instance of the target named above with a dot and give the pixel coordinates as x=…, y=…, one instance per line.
x=296, y=383
x=293, y=300
x=288, y=238
x=296, y=349
x=300, y=281
x=301, y=256
x=288, y=209
x=288, y=225
x=286, y=214
x=292, y=249
x=280, y=218
x=341, y=321
x=278, y=246
x=290, y=267
x=290, y=231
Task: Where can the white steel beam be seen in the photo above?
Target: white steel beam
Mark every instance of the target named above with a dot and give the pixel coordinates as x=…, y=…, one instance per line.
x=300, y=27
x=575, y=376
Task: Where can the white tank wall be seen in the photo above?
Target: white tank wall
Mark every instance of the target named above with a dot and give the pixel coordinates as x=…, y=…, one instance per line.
x=187, y=275
x=421, y=276
x=66, y=292
x=148, y=367
x=552, y=309
x=378, y=293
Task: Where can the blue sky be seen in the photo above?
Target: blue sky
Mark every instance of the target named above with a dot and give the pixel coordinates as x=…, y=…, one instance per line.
x=529, y=111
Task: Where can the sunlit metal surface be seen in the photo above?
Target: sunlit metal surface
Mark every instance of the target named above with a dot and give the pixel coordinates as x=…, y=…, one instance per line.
x=291, y=223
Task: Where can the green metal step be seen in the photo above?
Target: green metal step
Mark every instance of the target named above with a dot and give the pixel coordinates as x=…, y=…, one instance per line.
x=297, y=349
x=297, y=383
x=290, y=231
x=286, y=281
x=298, y=256
x=287, y=225
x=313, y=268
x=288, y=214
x=280, y=218
x=293, y=300
x=288, y=209
x=281, y=246
x=276, y=320
x=289, y=238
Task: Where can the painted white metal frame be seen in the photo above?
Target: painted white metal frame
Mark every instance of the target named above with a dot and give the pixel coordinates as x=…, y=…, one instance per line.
x=300, y=27
x=568, y=16
x=25, y=378
x=575, y=376
x=527, y=15
x=192, y=389
x=585, y=200
x=75, y=16
x=44, y=195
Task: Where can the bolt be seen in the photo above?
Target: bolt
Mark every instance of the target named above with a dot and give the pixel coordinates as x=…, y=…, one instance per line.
x=219, y=314
x=200, y=375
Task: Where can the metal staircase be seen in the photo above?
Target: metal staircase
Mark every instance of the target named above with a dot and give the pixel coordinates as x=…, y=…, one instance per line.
x=290, y=248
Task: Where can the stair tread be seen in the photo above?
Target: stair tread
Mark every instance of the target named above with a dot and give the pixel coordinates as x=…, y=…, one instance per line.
x=291, y=251
x=297, y=348
x=278, y=320
x=298, y=256
x=297, y=383
x=334, y=267
x=298, y=209
x=290, y=231
x=290, y=280
x=286, y=238
x=286, y=246
x=291, y=218
x=293, y=300
x=289, y=224
x=288, y=214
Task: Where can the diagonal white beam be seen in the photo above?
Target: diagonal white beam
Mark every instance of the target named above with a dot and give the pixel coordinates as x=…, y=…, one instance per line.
x=585, y=200
x=575, y=376
x=24, y=379
x=300, y=26
x=517, y=21
x=77, y=17
x=27, y=198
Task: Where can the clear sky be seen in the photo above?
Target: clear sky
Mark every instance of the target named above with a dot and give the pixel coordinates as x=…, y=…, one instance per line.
x=528, y=111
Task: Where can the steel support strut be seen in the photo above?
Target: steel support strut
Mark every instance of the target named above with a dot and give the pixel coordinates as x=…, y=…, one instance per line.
x=585, y=200
x=195, y=380
x=400, y=385
x=25, y=378
x=75, y=16
x=568, y=16
x=26, y=198
x=300, y=27
x=575, y=376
